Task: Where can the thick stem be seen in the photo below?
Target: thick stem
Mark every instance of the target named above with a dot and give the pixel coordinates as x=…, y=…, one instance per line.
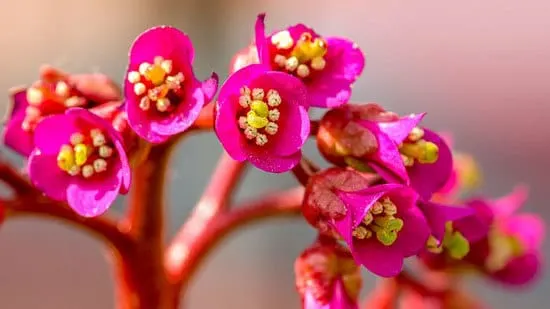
x=185, y=255
x=142, y=280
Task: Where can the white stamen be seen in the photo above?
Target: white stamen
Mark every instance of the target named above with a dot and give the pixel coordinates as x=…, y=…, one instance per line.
x=318, y=63
x=34, y=96
x=245, y=90
x=242, y=122
x=302, y=71
x=166, y=65
x=87, y=171
x=134, y=77
x=273, y=98
x=139, y=88
x=282, y=40
x=75, y=101
x=105, y=151
x=244, y=101
x=62, y=89
x=74, y=170
x=261, y=139
x=250, y=132
x=280, y=60
x=32, y=111
x=163, y=104
x=145, y=103
x=258, y=94
x=77, y=138
x=271, y=128
x=291, y=64
x=100, y=165
x=98, y=139
x=143, y=68
x=274, y=114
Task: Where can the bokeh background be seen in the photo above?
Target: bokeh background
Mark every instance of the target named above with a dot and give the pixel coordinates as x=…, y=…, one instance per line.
x=481, y=69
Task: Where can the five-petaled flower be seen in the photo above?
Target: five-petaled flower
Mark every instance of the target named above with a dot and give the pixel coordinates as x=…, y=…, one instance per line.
x=163, y=97
x=261, y=116
x=54, y=93
x=327, y=276
x=80, y=158
x=327, y=66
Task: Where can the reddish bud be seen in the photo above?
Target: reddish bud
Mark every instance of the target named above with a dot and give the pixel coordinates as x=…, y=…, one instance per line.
x=321, y=202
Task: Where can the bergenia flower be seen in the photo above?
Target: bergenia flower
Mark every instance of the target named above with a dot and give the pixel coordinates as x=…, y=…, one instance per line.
x=163, y=96
x=79, y=158
x=368, y=137
x=243, y=58
x=327, y=65
x=327, y=277
x=511, y=252
x=54, y=93
x=261, y=116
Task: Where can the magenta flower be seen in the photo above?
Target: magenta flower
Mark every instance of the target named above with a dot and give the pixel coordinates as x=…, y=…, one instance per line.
x=54, y=93
x=328, y=66
x=79, y=157
x=327, y=277
x=261, y=116
x=163, y=97
x=382, y=226
x=511, y=252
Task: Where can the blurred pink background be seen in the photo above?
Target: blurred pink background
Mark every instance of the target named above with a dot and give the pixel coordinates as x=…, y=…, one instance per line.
x=481, y=69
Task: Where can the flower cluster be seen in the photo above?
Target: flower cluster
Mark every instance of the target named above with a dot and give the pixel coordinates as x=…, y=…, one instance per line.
x=391, y=192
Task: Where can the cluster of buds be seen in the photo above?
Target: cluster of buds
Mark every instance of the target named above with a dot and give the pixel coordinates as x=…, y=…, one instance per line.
x=390, y=192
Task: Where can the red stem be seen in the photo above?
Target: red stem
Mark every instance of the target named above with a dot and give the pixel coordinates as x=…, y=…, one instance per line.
x=186, y=254
x=142, y=282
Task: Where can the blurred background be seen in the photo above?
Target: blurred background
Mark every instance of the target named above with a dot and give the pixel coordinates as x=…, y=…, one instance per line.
x=481, y=69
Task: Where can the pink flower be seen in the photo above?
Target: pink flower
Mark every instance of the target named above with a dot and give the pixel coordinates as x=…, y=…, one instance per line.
x=243, y=58
x=511, y=252
x=327, y=277
x=368, y=137
x=261, y=116
x=328, y=66
x=163, y=97
x=54, y=93
x=79, y=157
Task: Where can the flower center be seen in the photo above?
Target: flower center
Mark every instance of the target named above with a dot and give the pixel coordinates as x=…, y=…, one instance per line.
x=380, y=221
x=86, y=155
x=502, y=249
x=417, y=149
x=259, y=115
x=300, y=57
x=454, y=242
x=156, y=84
x=46, y=99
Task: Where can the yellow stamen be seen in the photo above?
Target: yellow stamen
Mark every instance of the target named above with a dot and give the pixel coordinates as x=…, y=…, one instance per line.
x=156, y=74
x=65, y=158
x=81, y=153
x=260, y=108
x=307, y=49
x=423, y=151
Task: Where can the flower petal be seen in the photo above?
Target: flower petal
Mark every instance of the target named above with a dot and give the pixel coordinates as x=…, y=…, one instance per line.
x=54, y=131
x=261, y=40
x=521, y=270
x=209, y=87
x=344, y=64
x=141, y=124
x=412, y=238
x=438, y=215
x=164, y=41
x=384, y=261
x=46, y=175
x=399, y=130
x=427, y=179
x=14, y=136
x=387, y=160
x=274, y=164
x=509, y=204
x=529, y=228
x=91, y=198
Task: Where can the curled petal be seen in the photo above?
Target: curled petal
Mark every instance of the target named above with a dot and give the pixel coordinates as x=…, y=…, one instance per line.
x=275, y=164
x=14, y=136
x=438, y=215
x=400, y=129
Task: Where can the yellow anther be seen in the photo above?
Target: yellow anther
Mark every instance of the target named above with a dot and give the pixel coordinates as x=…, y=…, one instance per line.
x=163, y=104
x=318, y=63
x=65, y=158
x=433, y=246
x=255, y=121
x=291, y=64
x=368, y=219
x=260, y=108
x=377, y=208
x=302, y=71
x=307, y=49
x=81, y=153
x=155, y=74
x=77, y=138
x=62, y=89
x=423, y=151
x=166, y=65
x=34, y=96
x=389, y=207
x=361, y=232
x=416, y=134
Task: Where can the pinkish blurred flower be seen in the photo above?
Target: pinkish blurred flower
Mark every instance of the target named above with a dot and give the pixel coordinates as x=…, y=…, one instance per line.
x=327, y=277
x=80, y=158
x=328, y=66
x=54, y=93
x=261, y=116
x=243, y=58
x=163, y=97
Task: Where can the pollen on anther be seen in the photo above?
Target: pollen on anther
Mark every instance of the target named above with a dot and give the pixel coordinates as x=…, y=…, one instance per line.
x=166, y=65
x=144, y=103
x=100, y=165
x=273, y=98
x=87, y=171
x=258, y=94
x=274, y=114
x=244, y=101
x=98, y=139
x=245, y=90
x=134, y=77
x=34, y=96
x=291, y=64
x=77, y=138
x=139, y=88
x=318, y=63
x=144, y=67
x=271, y=128
x=242, y=122
x=62, y=89
x=105, y=151
x=250, y=132
x=261, y=139
x=163, y=104
x=302, y=71
x=280, y=60
x=74, y=170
